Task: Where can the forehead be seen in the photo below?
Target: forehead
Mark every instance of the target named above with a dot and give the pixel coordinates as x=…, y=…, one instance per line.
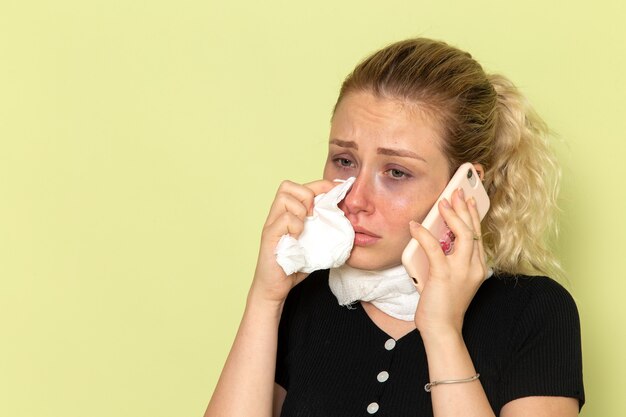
x=378, y=121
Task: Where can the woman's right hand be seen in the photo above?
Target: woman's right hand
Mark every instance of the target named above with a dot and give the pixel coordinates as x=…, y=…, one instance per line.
x=292, y=204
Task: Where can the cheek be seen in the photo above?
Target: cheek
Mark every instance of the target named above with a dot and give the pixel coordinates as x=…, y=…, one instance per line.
x=399, y=212
x=331, y=172
x=403, y=209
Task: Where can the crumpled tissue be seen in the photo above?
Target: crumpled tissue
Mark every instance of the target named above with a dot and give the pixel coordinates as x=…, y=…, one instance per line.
x=326, y=240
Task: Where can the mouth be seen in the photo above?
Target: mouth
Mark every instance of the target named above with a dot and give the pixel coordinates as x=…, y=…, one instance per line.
x=363, y=237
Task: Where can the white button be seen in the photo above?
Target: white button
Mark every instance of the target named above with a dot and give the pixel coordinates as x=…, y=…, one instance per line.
x=372, y=408
x=390, y=344
x=383, y=376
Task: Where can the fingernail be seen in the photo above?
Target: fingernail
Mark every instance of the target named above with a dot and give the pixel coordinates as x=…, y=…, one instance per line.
x=445, y=203
x=472, y=201
x=461, y=194
x=413, y=223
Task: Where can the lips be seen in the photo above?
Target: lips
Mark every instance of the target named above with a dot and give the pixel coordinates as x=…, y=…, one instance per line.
x=363, y=237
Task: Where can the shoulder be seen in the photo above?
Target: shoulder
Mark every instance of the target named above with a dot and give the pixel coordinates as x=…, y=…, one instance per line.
x=315, y=285
x=522, y=311
x=529, y=294
x=309, y=295
x=540, y=319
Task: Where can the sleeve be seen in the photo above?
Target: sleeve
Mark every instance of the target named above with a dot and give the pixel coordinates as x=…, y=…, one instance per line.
x=546, y=346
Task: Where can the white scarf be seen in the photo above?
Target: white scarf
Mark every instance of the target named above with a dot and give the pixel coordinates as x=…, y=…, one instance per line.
x=390, y=290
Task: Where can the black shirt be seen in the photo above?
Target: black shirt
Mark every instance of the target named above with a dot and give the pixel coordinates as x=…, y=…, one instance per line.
x=523, y=335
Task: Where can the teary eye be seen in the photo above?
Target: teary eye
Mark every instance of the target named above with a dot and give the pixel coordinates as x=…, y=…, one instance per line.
x=345, y=162
x=396, y=173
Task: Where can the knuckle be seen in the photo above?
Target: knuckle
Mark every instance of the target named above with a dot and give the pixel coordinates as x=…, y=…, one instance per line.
x=295, y=209
x=281, y=198
x=288, y=217
x=301, y=212
x=465, y=234
x=284, y=184
x=294, y=225
x=281, y=222
x=309, y=194
x=295, y=228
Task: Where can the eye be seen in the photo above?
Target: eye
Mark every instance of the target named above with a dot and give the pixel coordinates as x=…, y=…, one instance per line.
x=396, y=173
x=343, y=162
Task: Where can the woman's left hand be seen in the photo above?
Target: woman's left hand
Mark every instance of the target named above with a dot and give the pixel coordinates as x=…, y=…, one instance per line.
x=453, y=279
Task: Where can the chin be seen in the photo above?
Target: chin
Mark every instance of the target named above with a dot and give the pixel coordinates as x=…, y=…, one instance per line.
x=369, y=262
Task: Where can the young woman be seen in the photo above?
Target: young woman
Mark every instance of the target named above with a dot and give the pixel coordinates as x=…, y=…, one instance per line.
x=491, y=334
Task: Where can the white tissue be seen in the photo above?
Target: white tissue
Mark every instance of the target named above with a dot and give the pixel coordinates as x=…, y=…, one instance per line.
x=326, y=240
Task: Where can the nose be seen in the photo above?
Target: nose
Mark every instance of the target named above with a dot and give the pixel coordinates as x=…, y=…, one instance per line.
x=359, y=198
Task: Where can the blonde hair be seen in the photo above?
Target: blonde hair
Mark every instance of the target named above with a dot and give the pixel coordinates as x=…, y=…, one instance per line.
x=483, y=119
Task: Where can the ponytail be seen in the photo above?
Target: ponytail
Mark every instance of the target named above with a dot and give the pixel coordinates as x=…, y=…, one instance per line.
x=523, y=183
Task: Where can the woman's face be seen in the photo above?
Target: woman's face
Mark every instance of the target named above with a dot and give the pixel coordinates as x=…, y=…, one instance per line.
x=393, y=150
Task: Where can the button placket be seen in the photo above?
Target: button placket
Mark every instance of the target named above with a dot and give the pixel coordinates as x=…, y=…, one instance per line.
x=382, y=376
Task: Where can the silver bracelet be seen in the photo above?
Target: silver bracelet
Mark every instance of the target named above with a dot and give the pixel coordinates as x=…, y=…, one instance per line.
x=429, y=386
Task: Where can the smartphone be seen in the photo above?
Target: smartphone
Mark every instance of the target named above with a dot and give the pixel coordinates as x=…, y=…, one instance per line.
x=414, y=258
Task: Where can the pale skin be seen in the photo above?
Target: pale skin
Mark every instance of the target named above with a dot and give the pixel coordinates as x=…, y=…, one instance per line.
x=393, y=150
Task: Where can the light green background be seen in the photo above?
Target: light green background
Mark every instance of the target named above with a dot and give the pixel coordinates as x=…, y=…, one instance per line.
x=141, y=144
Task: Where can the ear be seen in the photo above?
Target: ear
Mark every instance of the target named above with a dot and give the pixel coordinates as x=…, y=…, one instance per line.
x=480, y=170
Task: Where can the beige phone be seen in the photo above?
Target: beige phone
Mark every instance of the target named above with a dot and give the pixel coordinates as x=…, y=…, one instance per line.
x=414, y=258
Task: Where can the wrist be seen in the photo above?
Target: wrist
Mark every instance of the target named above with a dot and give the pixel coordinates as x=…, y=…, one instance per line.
x=259, y=300
x=441, y=336
x=447, y=355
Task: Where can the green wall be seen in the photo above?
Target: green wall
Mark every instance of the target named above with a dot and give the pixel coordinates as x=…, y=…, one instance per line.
x=141, y=144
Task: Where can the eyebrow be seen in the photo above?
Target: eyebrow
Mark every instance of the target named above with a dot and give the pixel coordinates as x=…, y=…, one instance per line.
x=400, y=152
x=345, y=143
x=404, y=153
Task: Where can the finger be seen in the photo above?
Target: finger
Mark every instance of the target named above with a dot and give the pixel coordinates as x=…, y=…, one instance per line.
x=305, y=193
x=473, y=209
x=300, y=193
x=432, y=250
x=459, y=204
x=285, y=202
x=475, y=217
x=464, y=235
x=286, y=224
x=321, y=186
